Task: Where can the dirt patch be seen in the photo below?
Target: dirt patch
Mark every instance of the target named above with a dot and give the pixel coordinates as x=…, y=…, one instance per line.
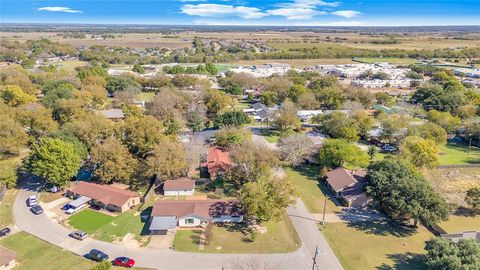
x=128, y=240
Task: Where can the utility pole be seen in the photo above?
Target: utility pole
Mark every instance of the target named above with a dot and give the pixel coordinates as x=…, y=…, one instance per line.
x=315, y=258
x=469, y=144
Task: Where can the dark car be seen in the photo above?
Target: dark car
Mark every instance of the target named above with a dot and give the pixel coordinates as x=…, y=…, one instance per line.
x=124, y=261
x=97, y=255
x=79, y=235
x=4, y=231
x=37, y=209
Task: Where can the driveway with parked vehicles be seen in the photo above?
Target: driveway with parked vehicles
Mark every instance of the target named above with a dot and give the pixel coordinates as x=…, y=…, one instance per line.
x=44, y=228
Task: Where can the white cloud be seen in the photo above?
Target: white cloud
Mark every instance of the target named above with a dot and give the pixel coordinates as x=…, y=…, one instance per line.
x=189, y=1
x=218, y=10
x=310, y=4
x=346, y=13
x=296, y=13
x=59, y=9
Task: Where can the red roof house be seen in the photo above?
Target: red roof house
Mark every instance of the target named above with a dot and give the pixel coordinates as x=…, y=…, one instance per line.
x=218, y=162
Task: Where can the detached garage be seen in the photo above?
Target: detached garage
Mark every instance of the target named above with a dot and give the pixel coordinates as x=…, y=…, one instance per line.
x=179, y=187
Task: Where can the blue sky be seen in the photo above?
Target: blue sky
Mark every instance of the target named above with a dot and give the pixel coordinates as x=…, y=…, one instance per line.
x=245, y=12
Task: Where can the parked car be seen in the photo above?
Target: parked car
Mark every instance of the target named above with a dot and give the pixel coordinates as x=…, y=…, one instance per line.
x=389, y=148
x=79, y=235
x=32, y=200
x=124, y=261
x=97, y=255
x=73, y=210
x=66, y=207
x=37, y=209
x=4, y=232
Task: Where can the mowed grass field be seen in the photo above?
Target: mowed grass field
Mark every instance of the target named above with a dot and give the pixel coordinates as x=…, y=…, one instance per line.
x=311, y=191
x=112, y=229
x=6, y=214
x=280, y=237
x=455, y=153
x=391, y=60
x=460, y=223
x=367, y=245
x=34, y=253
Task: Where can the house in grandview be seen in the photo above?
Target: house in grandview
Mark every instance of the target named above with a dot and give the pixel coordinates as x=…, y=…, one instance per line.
x=179, y=187
x=348, y=186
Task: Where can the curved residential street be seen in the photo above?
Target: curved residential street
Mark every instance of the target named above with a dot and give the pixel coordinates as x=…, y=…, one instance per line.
x=43, y=227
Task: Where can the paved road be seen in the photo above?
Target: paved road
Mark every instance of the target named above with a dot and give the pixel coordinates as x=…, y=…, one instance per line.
x=306, y=226
x=46, y=229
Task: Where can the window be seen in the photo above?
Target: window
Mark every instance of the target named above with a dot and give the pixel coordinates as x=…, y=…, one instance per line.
x=189, y=221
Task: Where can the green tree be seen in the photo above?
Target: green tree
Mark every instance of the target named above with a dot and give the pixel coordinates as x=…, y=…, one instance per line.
x=105, y=265
x=141, y=134
x=445, y=120
x=168, y=160
x=444, y=254
x=211, y=68
x=138, y=69
x=295, y=91
x=12, y=136
x=422, y=153
x=403, y=193
x=337, y=152
x=338, y=125
x=216, y=102
x=54, y=160
x=195, y=121
x=429, y=131
x=14, y=96
x=230, y=136
x=472, y=198
x=286, y=118
x=391, y=126
x=268, y=197
x=233, y=118
x=112, y=161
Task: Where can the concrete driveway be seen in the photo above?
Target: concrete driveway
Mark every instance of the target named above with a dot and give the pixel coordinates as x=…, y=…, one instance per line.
x=46, y=229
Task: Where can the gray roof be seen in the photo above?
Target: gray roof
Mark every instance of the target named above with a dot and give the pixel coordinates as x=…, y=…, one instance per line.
x=160, y=223
x=259, y=106
x=80, y=201
x=455, y=237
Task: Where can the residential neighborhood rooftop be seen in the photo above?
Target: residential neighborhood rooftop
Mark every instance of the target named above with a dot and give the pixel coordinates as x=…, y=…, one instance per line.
x=106, y=194
x=202, y=208
x=183, y=183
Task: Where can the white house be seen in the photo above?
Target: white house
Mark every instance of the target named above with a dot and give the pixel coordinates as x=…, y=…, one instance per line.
x=167, y=215
x=305, y=115
x=179, y=187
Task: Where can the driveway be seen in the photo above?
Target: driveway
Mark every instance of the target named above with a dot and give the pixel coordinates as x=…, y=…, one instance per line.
x=46, y=229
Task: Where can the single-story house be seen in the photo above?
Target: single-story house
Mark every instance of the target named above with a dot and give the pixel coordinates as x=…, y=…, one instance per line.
x=348, y=186
x=259, y=112
x=455, y=237
x=7, y=259
x=113, y=114
x=218, y=161
x=180, y=186
x=115, y=197
x=305, y=115
x=168, y=215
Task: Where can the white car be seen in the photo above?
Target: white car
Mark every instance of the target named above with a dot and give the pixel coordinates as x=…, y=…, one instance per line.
x=32, y=200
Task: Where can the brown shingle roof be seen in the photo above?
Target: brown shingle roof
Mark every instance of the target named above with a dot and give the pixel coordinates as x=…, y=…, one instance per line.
x=104, y=193
x=204, y=209
x=340, y=178
x=6, y=256
x=183, y=183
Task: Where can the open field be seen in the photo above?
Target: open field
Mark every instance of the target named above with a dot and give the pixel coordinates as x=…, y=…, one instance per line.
x=391, y=60
x=454, y=153
x=33, y=253
x=311, y=190
x=280, y=237
x=6, y=215
x=128, y=225
x=453, y=183
x=375, y=245
x=298, y=63
x=458, y=223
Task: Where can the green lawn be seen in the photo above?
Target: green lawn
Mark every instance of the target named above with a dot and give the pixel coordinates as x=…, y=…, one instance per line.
x=33, y=254
x=391, y=60
x=71, y=64
x=461, y=223
x=89, y=220
x=279, y=238
x=453, y=153
x=112, y=229
x=271, y=135
x=377, y=246
x=145, y=96
x=310, y=189
x=6, y=215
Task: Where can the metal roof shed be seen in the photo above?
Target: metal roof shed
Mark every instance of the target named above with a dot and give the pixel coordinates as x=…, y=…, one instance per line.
x=79, y=201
